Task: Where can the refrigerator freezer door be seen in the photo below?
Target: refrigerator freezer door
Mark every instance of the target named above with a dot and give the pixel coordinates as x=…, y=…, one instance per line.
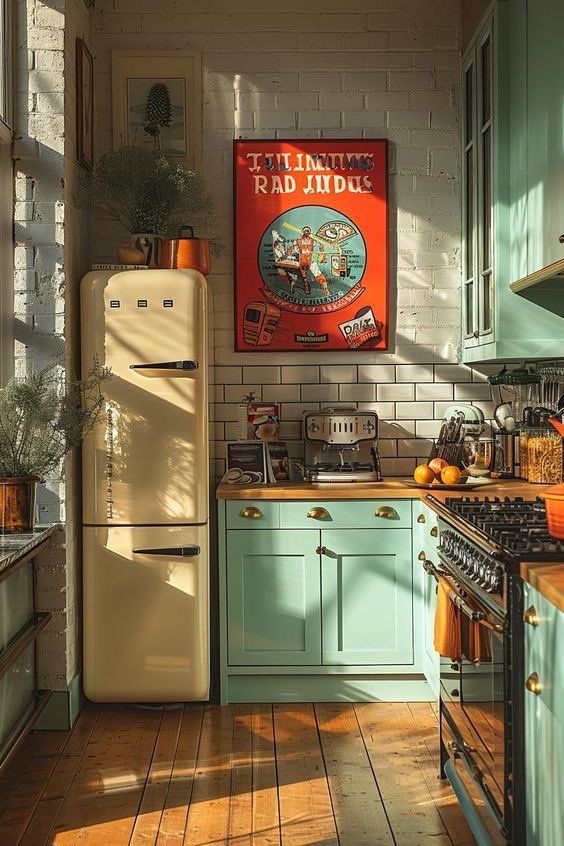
x=146, y=462
x=146, y=614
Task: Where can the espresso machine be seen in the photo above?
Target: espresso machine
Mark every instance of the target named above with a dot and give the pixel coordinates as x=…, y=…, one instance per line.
x=341, y=445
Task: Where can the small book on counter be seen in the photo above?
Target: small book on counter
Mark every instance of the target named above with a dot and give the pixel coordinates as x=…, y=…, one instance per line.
x=256, y=462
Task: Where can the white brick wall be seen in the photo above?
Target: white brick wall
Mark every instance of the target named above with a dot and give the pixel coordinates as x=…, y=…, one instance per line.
x=48, y=241
x=386, y=69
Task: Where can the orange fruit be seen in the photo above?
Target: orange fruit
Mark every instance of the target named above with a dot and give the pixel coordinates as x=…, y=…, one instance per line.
x=437, y=464
x=450, y=475
x=424, y=475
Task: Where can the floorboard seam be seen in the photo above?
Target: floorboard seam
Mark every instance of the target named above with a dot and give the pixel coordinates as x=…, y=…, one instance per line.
x=374, y=776
x=326, y=774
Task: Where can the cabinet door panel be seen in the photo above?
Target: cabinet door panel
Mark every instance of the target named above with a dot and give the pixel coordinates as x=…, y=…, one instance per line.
x=273, y=598
x=367, y=597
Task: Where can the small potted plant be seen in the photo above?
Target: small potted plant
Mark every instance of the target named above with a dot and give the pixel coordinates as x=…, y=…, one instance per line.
x=40, y=421
x=151, y=196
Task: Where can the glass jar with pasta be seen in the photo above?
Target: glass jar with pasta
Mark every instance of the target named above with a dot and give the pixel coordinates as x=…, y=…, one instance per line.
x=544, y=457
x=524, y=454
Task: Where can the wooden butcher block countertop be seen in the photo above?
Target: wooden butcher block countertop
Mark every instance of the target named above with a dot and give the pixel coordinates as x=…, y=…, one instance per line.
x=548, y=579
x=392, y=488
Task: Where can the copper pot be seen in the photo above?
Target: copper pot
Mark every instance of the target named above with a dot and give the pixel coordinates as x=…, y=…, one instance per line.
x=186, y=252
x=17, y=504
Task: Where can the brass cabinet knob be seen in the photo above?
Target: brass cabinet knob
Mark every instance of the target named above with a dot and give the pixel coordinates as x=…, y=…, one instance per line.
x=531, y=616
x=251, y=512
x=422, y=556
x=386, y=512
x=434, y=532
x=321, y=550
x=318, y=513
x=421, y=518
x=476, y=333
x=533, y=684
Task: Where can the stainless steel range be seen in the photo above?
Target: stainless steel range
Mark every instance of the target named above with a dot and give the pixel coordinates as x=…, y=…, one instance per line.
x=482, y=544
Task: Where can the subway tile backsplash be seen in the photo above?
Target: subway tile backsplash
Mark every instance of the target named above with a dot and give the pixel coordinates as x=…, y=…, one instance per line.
x=410, y=400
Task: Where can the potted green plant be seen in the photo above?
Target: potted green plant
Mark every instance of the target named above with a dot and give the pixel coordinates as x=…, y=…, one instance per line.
x=41, y=420
x=151, y=196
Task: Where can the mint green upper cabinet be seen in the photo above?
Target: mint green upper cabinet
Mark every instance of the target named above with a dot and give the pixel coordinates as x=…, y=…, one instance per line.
x=484, y=177
x=545, y=129
x=367, y=590
x=513, y=181
x=544, y=723
x=274, y=615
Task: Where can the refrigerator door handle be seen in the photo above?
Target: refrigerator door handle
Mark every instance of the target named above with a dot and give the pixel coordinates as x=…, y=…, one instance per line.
x=187, y=364
x=179, y=551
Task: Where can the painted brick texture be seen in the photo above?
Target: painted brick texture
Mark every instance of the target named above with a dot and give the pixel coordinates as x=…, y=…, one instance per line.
x=49, y=235
x=379, y=69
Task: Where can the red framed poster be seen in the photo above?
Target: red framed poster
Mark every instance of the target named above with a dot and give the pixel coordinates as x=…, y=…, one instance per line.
x=311, y=245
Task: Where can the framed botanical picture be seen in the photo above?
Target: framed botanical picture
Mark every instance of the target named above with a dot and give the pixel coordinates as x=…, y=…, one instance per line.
x=157, y=101
x=311, y=245
x=84, y=105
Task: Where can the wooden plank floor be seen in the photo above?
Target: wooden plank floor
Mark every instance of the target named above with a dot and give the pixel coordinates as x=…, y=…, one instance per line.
x=245, y=775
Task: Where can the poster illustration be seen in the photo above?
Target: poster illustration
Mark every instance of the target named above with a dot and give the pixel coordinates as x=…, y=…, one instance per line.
x=311, y=245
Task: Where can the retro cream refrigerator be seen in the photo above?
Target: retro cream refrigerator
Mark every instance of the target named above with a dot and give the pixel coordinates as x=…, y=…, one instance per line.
x=145, y=488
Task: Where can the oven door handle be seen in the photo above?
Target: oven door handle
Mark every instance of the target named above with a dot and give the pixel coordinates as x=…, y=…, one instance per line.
x=467, y=610
x=462, y=750
x=474, y=615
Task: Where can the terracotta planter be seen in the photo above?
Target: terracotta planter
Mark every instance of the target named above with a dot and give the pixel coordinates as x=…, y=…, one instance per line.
x=17, y=504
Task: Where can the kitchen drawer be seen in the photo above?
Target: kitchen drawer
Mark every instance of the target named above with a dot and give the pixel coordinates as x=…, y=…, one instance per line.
x=17, y=693
x=16, y=603
x=253, y=515
x=347, y=514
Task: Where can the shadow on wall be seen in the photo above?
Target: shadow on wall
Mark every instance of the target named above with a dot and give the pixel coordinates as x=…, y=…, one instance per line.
x=38, y=227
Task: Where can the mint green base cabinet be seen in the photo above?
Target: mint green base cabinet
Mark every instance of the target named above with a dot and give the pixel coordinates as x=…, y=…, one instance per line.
x=319, y=601
x=425, y=540
x=544, y=723
x=274, y=597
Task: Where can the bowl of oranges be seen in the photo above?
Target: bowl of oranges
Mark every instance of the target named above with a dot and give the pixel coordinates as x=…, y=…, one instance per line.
x=439, y=473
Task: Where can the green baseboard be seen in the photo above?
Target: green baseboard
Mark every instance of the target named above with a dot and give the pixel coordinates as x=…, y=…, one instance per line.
x=288, y=688
x=63, y=708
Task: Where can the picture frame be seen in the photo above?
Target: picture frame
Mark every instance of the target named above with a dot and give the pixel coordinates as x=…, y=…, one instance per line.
x=311, y=245
x=157, y=102
x=84, y=105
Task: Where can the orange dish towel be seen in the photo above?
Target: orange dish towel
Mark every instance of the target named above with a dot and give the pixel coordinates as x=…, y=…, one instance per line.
x=447, y=624
x=475, y=642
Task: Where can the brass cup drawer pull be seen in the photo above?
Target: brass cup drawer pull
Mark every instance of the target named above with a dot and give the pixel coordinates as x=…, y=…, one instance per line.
x=434, y=532
x=531, y=616
x=533, y=684
x=318, y=513
x=422, y=556
x=386, y=512
x=421, y=518
x=251, y=512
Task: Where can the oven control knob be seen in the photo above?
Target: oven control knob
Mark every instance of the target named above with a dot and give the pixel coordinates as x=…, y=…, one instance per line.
x=496, y=580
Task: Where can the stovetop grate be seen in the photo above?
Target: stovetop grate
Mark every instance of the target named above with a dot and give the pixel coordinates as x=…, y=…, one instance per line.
x=518, y=525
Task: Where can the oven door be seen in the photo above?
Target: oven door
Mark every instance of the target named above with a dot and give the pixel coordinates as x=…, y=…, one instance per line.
x=473, y=700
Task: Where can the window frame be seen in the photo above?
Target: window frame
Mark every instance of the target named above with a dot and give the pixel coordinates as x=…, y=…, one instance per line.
x=6, y=190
